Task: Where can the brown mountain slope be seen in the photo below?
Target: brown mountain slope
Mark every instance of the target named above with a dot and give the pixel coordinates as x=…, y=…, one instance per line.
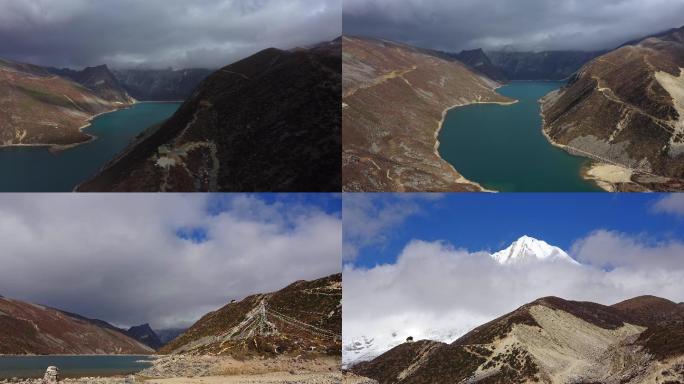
x=550, y=340
x=303, y=317
x=626, y=108
x=393, y=101
x=38, y=107
x=270, y=122
x=34, y=329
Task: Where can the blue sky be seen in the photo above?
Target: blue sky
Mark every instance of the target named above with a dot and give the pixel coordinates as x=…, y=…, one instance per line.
x=490, y=222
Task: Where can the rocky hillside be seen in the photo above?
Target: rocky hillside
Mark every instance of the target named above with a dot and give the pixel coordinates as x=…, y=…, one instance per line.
x=625, y=109
x=270, y=122
x=305, y=317
x=39, y=107
x=550, y=340
x=161, y=85
x=27, y=328
x=545, y=65
x=394, y=100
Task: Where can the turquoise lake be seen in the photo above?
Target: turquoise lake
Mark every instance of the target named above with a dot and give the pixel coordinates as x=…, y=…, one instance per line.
x=36, y=169
x=72, y=366
x=502, y=146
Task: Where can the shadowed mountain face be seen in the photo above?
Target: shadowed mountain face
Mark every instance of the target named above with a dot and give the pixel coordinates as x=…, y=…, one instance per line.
x=27, y=328
x=548, y=65
x=303, y=317
x=394, y=99
x=478, y=60
x=550, y=340
x=270, y=122
x=145, y=334
x=98, y=79
x=38, y=106
x=626, y=108
x=167, y=335
x=161, y=85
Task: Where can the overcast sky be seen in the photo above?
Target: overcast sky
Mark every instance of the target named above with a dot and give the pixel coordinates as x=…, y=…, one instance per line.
x=521, y=24
x=161, y=259
x=159, y=33
x=440, y=287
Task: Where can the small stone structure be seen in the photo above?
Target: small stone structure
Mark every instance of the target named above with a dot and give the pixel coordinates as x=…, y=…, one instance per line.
x=409, y=339
x=51, y=375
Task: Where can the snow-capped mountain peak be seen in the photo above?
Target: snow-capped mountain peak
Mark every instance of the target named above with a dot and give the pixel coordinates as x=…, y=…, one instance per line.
x=527, y=249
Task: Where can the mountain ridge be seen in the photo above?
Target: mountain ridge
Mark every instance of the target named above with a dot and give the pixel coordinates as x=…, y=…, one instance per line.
x=27, y=328
x=548, y=340
x=269, y=122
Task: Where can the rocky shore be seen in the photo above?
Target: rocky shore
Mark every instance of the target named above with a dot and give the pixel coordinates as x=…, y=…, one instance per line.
x=177, y=369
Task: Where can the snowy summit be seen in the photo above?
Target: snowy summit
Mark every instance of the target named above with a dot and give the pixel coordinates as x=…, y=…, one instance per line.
x=527, y=249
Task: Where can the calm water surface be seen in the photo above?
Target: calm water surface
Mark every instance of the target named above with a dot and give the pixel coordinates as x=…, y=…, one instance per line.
x=502, y=146
x=72, y=366
x=36, y=169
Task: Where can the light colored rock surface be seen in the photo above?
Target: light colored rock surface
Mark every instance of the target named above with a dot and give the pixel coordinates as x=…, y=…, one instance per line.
x=607, y=175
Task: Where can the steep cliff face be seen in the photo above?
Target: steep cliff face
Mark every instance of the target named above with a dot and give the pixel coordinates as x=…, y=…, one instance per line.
x=161, y=85
x=550, y=340
x=394, y=98
x=270, y=122
x=27, y=328
x=303, y=317
x=626, y=108
x=39, y=107
x=478, y=60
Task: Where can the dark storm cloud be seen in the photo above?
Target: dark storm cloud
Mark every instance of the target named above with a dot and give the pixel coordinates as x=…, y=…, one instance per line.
x=159, y=33
x=520, y=24
x=119, y=257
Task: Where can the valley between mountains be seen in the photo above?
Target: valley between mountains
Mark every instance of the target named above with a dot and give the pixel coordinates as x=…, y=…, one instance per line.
x=296, y=329
x=270, y=122
x=619, y=110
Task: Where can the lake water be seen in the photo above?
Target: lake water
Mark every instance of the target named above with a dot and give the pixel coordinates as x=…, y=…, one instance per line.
x=71, y=366
x=502, y=146
x=36, y=169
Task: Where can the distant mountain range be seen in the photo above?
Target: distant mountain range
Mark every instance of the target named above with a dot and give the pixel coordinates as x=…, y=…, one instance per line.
x=626, y=109
x=161, y=84
x=304, y=317
x=27, y=328
x=550, y=340
x=511, y=65
x=270, y=122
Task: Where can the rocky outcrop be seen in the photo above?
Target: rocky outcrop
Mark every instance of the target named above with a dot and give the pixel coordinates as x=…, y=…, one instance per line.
x=39, y=107
x=51, y=375
x=550, y=340
x=393, y=102
x=161, y=84
x=625, y=109
x=268, y=123
x=144, y=334
x=305, y=317
x=27, y=328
